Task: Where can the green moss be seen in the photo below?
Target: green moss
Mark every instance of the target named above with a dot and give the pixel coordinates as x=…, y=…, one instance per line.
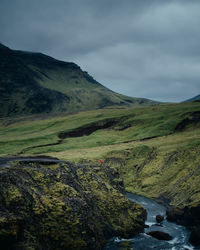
x=73, y=207
x=170, y=175
x=13, y=196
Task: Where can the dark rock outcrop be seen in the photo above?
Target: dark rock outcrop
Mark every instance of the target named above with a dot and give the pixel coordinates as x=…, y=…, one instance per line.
x=159, y=218
x=160, y=235
x=89, y=129
x=191, y=118
x=189, y=217
x=64, y=206
x=175, y=215
x=195, y=236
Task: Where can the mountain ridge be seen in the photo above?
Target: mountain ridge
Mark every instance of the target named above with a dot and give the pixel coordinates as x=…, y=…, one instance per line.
x=34, y=83
x=195, y=98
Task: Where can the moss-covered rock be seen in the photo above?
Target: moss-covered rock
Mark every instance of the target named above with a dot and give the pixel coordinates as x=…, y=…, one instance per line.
x=64, y=206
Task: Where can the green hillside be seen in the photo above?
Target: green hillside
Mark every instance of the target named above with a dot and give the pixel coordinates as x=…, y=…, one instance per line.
x=33, y=83
x=156, y=149
x=195, y=98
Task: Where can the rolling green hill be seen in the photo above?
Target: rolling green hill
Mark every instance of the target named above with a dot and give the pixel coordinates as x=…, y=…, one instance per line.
x=33, y=83
x=156, y=148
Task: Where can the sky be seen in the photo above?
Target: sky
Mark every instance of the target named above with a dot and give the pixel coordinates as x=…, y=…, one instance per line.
x=140, y=48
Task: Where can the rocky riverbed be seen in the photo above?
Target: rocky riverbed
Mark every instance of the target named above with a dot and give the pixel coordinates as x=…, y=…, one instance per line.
x=159, y=236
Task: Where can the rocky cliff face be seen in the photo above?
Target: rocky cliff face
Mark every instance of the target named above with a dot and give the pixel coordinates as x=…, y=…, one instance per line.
x=64, y=206
x=189, y=217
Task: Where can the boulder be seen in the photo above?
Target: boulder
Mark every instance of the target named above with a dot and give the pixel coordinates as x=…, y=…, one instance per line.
x=160, y=235
x=159, y=218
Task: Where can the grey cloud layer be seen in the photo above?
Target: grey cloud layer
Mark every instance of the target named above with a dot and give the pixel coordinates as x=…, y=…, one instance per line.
x=146, y=48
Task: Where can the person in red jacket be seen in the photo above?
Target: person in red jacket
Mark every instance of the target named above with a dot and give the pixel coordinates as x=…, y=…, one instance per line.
x=101, y=161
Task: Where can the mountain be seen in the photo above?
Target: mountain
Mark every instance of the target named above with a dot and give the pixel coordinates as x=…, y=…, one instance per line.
x=195, y=98
x=33, y=83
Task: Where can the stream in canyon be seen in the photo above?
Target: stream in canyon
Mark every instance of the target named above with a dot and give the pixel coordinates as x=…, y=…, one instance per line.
x=144, y=241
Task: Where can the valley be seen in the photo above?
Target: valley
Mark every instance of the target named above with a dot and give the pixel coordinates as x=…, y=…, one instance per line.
x=99, y=125
x=150, y=146
x=150, y=150
x=69, y=145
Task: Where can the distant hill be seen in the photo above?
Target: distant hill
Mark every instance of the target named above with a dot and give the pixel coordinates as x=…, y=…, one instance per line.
x=195, y=98
x=34, y=83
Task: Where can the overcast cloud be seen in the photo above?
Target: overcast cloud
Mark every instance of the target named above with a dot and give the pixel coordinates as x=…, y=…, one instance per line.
x=141, y=48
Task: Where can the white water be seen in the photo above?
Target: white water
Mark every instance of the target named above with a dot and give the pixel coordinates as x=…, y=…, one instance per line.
x=145, y=242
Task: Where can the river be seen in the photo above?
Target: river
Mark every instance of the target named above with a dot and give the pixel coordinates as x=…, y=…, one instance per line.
x=145, y=242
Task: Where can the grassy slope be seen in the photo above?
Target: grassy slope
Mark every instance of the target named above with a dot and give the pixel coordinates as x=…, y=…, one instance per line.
x=166, y=166
x=33, y=83
x=84, y=92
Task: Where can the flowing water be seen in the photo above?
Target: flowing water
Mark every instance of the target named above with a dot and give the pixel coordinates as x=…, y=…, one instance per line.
x=145, y=242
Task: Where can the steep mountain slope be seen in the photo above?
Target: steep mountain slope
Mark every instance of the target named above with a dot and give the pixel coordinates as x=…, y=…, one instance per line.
x=32, y=83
